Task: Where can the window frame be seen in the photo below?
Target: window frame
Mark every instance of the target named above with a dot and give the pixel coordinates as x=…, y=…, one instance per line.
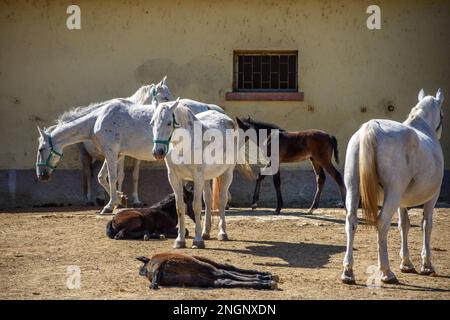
x=238, y=53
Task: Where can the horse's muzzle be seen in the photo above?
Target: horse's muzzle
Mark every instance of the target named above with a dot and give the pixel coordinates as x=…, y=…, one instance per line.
x=159, y=153
x=44, y=177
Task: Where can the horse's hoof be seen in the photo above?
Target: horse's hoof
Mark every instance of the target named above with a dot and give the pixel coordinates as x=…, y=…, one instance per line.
x=348, y=277
x=227, y=207
x=198, y=244
x=273, y=285
x=146, y=237
x=277, y=211
x=390, y=278
x=106, y=211
x=309, y=212
x=407, y=268
x=205, y=236
x=222, y=237
x=179, y=244
x=254, y=206
x=427, y=271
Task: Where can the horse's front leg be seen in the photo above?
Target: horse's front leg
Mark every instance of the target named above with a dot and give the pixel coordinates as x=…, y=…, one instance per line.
x=86, y=161
x=427, y=224
x=403, y=226
x=197, y=205
x=111, y=162
x=177, y=187
x=135, y=195
x=277, y=185
x=207, y=196
x=225, y=183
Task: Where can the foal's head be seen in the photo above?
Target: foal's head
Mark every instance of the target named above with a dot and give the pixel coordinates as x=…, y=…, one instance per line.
x=143, y=270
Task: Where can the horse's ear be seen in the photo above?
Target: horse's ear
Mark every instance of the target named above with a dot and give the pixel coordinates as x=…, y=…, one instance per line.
x=421, y=94
x=175, y=104
x=164, y=80
x=240, y=123
x=143, y=259
x=440, y=96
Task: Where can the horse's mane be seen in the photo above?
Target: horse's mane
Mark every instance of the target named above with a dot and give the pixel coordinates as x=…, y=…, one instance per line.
x=261, y=124
x=142, y=93
x=78, y=112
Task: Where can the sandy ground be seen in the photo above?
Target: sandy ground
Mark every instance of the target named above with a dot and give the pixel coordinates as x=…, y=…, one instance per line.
x=305, y=251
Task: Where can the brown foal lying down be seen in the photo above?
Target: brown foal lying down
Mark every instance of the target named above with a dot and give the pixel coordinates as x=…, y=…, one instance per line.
x=144, y=223
x=174, y=269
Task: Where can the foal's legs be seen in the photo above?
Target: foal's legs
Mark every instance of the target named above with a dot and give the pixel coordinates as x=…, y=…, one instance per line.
x=320, y=181
x=228, y=283
x=136, y=201
x=427, y=267
x=403, y=225
x=277, y=184
x=225, y=183
x=257, y=189
x=207, y=196
x=334, y=173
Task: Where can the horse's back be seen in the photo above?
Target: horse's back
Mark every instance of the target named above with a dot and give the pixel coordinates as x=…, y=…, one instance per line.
x=198, y=107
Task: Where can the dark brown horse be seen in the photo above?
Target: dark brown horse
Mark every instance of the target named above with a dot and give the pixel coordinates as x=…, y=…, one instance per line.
x=294, y=146
x=144, y=223
x=174, y=269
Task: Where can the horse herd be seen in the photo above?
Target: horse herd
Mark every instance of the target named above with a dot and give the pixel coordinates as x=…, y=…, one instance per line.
x=388, y=164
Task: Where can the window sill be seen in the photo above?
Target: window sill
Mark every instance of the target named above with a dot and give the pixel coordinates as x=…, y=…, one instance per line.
x=268, y=96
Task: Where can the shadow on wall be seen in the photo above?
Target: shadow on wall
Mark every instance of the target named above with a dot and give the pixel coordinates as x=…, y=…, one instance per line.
x=198, y=79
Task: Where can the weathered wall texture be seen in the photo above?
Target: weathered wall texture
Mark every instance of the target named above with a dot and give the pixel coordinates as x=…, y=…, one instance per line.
x=46, y=68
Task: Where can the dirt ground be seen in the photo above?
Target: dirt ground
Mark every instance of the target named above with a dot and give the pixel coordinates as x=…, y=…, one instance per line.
x=306, y=251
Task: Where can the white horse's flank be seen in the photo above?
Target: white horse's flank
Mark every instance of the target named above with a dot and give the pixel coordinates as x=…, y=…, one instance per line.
x=395, y=166
x=166, y=116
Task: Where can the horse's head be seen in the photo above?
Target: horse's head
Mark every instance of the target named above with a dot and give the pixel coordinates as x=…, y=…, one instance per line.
x=48, y=156
x=161, y=91
x=143, y=271
x=163, y=124
x=429, y=108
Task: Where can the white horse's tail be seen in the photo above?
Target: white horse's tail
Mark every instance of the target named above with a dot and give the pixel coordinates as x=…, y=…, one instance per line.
x=368, y=176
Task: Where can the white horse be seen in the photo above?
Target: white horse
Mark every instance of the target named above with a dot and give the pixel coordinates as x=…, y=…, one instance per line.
x=168, y=117
x=116, y=127
x=395, y=166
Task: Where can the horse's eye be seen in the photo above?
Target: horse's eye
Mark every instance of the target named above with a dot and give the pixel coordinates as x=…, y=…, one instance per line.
x=169, y=124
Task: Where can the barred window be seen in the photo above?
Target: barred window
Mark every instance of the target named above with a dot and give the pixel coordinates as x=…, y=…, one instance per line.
x=266, y=71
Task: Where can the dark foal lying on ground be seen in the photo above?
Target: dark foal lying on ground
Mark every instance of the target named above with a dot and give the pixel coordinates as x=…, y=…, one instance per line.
x=173, y=269
x=140, y=223
x=317, y=146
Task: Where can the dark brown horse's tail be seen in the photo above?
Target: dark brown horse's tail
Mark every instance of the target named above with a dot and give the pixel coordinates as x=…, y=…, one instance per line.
x=110, y=232
x=334, y=143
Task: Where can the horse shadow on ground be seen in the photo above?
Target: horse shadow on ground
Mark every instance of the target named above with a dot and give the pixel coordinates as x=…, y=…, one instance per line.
x=301, y=255
x=301, y=214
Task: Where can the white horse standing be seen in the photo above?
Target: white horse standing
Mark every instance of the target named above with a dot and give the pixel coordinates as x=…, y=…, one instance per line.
x=396, y=166
x=116, y=127
x=168, y=117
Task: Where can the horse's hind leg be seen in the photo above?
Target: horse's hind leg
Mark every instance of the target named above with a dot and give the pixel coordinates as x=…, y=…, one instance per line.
x=229, y=283
x=320, y=181
x=120, y=176
x=335, y=174
x=207, y=196
x=257, y=189
x=225, y=183
x=111, y=160
x=351, y=204
x=103, y=177
x=135, y=195
x=403, y=226
x=427, y=267
x=390, y=205
x=277, y=185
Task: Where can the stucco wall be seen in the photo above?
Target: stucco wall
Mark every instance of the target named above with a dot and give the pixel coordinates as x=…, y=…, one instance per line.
x=46, y=68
